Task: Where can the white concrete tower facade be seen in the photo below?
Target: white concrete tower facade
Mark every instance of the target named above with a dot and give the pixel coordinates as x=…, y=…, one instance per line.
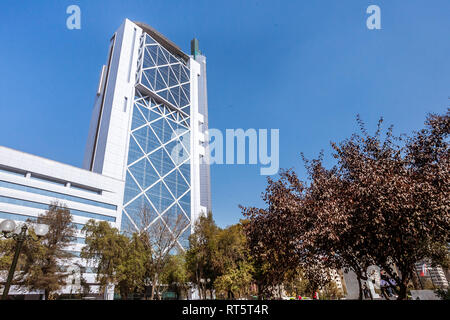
x=205, y=176
x=148, y=129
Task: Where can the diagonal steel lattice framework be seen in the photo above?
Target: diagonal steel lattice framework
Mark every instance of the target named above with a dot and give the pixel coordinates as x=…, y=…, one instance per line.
x=165, y=75
x=158, y=167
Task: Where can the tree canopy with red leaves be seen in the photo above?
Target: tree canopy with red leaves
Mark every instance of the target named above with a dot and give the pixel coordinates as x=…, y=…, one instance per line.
x=385, y=202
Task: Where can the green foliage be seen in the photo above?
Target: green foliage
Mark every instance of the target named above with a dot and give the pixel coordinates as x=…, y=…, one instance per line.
x=428, y=285
x=175, y=275
x=444, y=294
x=331, y=292
x=120, y=260
x=219, y=258
x=132, y=265
x=175, y=272
x=160, y=239
x=138, y=259
x=230, y=248
x=199, y=257
x=296, y=284
x=7, y=248
x=235, y=281
x=230, y=260
x=42, y=264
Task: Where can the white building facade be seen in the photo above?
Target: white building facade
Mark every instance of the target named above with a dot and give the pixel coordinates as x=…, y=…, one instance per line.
x=146, y=128
x=145, y=146
x=29, y=184
x=434, y=274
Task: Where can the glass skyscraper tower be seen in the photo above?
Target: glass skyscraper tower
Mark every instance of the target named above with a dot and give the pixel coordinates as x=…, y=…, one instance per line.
x=144, y=154
x=148, y=130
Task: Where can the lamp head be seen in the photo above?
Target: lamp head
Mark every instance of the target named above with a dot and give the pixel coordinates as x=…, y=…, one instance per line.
x=7, y=226
x=41, y=230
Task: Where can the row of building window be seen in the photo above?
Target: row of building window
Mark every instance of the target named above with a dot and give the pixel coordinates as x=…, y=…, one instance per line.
x=11, y=172
x=43, y=206
x=57, y=195
x=33, y=176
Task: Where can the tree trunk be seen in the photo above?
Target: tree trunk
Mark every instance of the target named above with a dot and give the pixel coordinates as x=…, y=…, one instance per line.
x=199, y=284
x=204, y=291
x=416, y=281
x=155, y=279
x=383, y=292
x=360, y=288
x=124, y=294
x=403, y=289
x=260, y=291
x=145, y=293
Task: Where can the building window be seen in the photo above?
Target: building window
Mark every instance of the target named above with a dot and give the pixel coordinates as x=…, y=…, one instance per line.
x=56, y=195
x=125, y=104
x=43, y=206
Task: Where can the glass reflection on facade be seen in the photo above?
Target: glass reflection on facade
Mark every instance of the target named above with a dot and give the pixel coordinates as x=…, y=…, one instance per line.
x=158, y=167
x=165, y=75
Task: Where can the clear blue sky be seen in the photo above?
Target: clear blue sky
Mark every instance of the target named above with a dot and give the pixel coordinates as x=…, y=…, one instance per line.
x=304, y=67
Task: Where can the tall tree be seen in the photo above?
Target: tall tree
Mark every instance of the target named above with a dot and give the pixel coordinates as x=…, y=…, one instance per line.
x=232, y=264
x=386, y=202
x=120, y=260
x=280, y=237
x=45, y=262
x=175, y=275
x=401, y=193
x=160, y=238
x=199, y=257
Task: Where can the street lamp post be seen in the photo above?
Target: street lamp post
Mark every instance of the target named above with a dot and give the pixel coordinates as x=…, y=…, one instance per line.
x=7, y=227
